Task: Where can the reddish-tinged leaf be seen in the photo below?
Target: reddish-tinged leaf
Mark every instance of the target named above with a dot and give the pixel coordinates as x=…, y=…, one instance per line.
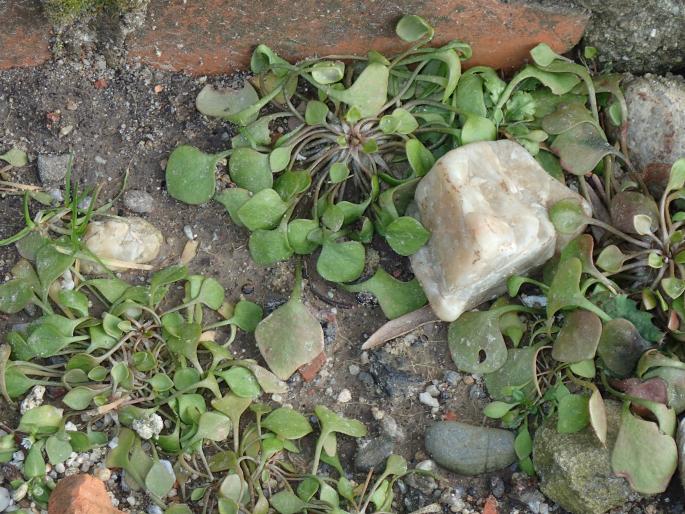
x=654, y=389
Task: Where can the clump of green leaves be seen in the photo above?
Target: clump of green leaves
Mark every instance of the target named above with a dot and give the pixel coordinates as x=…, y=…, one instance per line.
x=611, y=298
x=158, y=356
x=361, y=135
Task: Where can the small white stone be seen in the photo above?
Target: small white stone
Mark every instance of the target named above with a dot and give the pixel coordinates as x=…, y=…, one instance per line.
x=354, y=370
x=433, y=391
x=377, y=413
x=344, y=396
x=20, y=492
x=123, y=239
x=154, y=509
x=69, y=426
x=485, y=205
x=364, y=358
x=131, y=501
x=5, y=499
x=427, y=399
x=59, y=468
x=33, y=399
x=149, y=426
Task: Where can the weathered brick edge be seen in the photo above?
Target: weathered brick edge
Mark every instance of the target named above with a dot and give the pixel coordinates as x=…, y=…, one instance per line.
x=25, y=34
x=217, y=36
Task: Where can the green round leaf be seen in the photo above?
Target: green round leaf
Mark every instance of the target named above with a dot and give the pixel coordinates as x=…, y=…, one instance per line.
x=287, y=423
x=250, y=169
x=341, y=262
x=574, y=415
x=476, y=343
x=269, y=246
x=298, y=232
x=406, y=235
x=316, y=112
x=567, y=216
x=223, y=103
x=497, y=410
x=328, y=72
x=241, y=382
x=338, y=172
x=190, y=175
x=263, y=211
x=411, y=28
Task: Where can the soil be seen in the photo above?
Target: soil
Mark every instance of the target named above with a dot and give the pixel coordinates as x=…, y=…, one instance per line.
x=131, y=119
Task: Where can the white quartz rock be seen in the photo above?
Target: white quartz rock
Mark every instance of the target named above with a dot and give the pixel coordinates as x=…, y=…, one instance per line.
x=486, y=207
x=128, y=240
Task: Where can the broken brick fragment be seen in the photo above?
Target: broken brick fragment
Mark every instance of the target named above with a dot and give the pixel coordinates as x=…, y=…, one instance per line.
x=81, y=494
x=310, y=370
x=490, y=506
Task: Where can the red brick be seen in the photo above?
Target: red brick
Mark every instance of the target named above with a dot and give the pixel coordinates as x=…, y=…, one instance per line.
x=81, y=494
x=25, y=34
x=309, y=371
x=217, y=36
x=490, y=506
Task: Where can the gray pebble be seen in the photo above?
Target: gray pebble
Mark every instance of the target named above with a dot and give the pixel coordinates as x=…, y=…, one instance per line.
x=372, y=453
x=468, y=449
x=138, y=201
x=5, y=499
x=497, y=486
x=52, y=169
x=392, y=429
x=452, y=377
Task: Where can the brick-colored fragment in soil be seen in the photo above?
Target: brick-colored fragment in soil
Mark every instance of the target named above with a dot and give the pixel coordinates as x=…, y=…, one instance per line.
x=81, y=494
x=490, y=506
x=310, y=370
x=217, y=36
x=25, y=34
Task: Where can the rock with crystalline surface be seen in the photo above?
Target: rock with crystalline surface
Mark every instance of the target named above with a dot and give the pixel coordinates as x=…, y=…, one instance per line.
x=486, y=207
x=120, y=242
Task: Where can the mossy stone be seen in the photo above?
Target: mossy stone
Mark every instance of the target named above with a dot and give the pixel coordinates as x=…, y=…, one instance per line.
x=575, y=469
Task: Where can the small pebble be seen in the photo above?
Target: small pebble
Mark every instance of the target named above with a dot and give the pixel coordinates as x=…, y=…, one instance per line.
x=138, y=201
x=433, y=391
x=344, y=396
x=427, y=399
x=452, y=377
x=469, y=380
x=188, y=231
x=377, y=413
x=5, y=499
x=20, y=492
x=497, y=486
x=354, y=370
x=65, y=131
x=103, y=473
x=100, y=160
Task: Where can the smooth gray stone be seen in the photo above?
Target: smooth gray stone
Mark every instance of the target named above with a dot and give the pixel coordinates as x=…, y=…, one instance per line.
x=468, y=449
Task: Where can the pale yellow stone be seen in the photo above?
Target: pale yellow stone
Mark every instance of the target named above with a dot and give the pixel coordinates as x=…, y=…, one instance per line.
x=122, y=241
x=485, y=205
